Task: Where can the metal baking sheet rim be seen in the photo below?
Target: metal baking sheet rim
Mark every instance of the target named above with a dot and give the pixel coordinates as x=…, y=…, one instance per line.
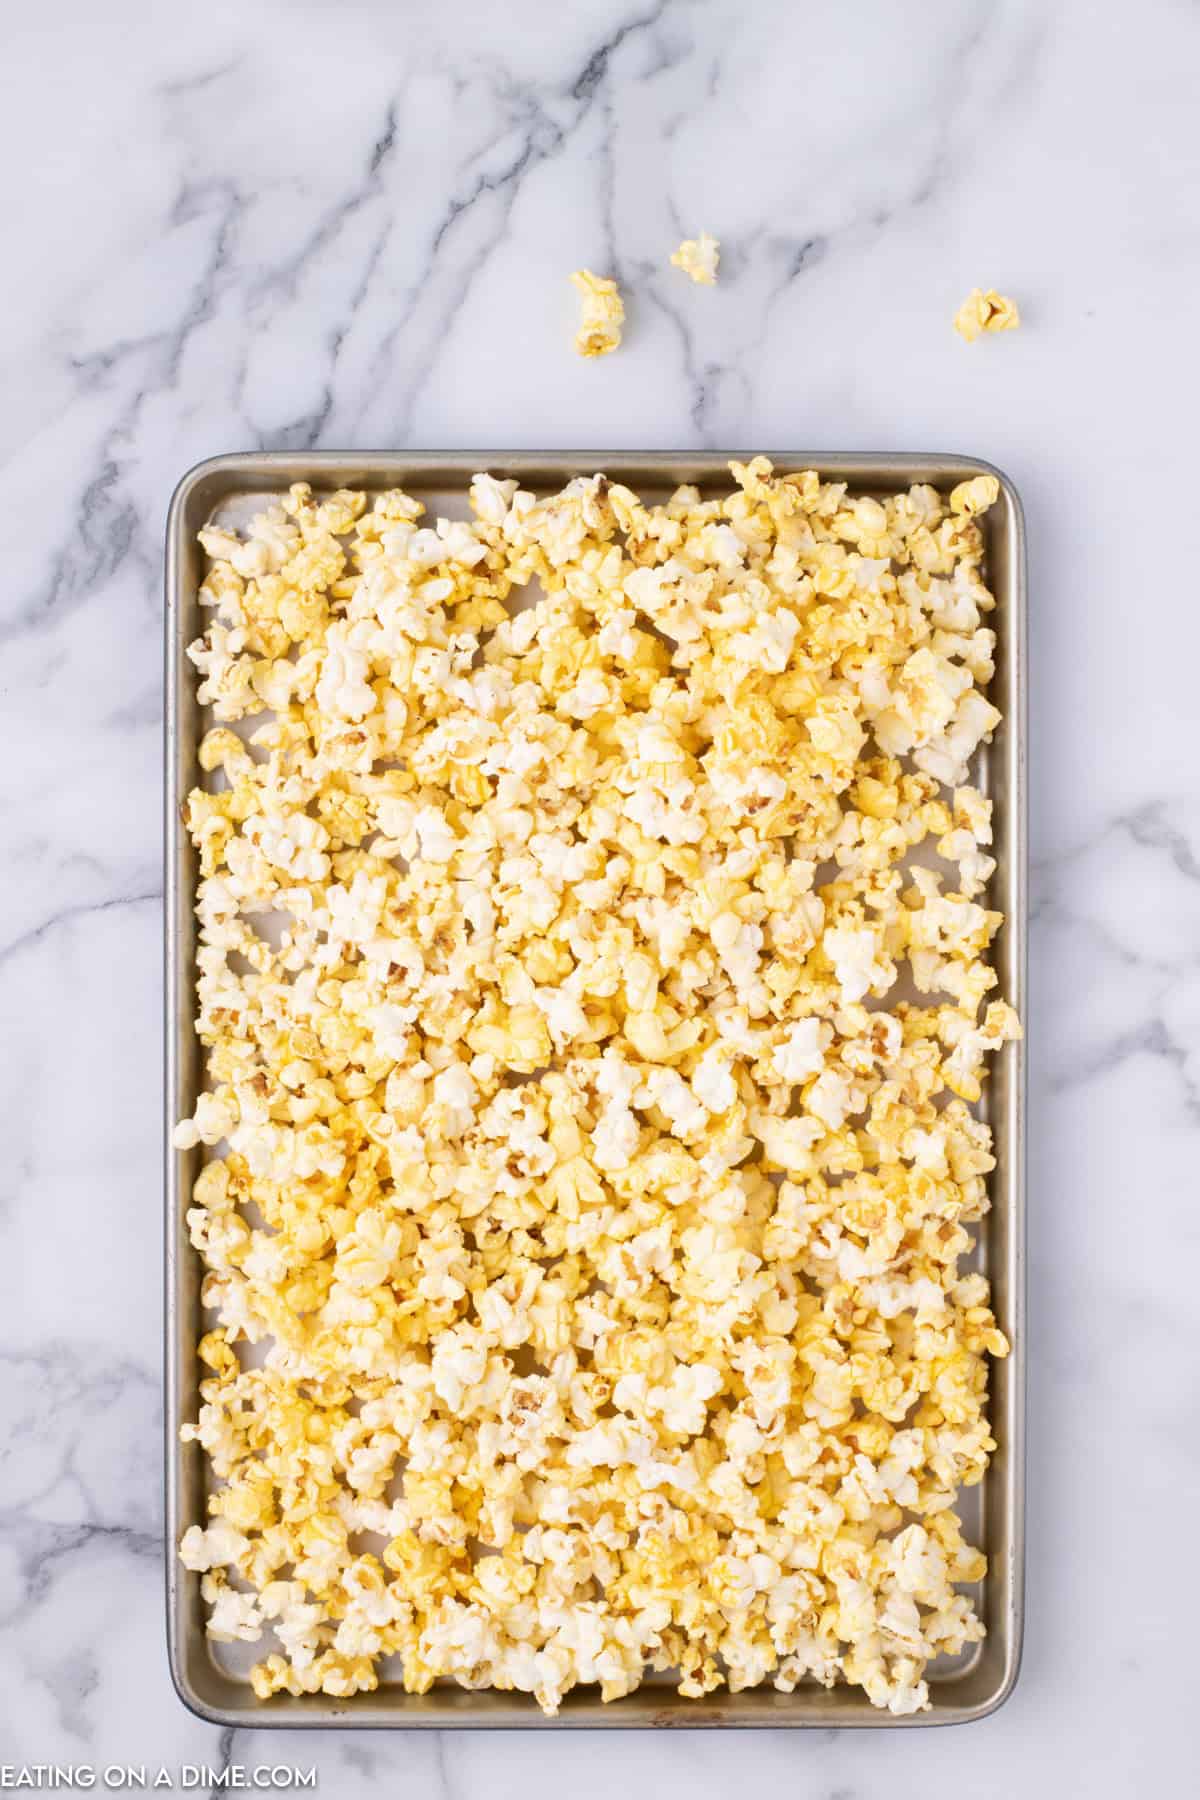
x=989, y=1678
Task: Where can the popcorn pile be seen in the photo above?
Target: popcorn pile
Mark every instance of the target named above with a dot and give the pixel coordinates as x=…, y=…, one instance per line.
x=595, y=1202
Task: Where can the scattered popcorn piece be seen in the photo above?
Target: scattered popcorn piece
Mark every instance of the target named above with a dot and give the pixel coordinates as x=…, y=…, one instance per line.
x=603, y=314
x=981, y=312
x=975, y=496
x=582, y=1241
x=698, y=257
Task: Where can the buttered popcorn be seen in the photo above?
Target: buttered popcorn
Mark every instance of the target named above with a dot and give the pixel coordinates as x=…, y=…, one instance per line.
x=699, y=258
x=602, y=314
x=985, y=312
x=593, y=1203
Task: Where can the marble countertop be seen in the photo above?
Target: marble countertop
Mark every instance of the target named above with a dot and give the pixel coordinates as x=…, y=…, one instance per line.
x=286, y=225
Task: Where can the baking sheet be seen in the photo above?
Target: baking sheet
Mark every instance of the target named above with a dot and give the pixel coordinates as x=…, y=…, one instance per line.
x=969, y=1687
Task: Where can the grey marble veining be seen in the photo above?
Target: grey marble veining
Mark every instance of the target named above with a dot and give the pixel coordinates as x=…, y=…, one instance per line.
x=292, y=225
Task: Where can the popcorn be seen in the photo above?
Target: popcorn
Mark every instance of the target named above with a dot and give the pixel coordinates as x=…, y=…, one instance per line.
x=988, y=311
x=342, y=688
x=860, y=966
x=975, y=496
x=597, y=1235
x=603, y=314
x=802, y=1052
x=698, y=257
x=436, y=840
x=713, y=1083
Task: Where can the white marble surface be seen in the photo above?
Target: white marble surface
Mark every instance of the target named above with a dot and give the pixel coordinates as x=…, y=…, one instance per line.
x=267, y=224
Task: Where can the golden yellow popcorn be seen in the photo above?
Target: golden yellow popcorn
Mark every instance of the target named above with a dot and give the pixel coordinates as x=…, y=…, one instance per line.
x=975, y=496
x=584, y=1213
x=603, y=314
x=988, y=311
x=699, y=257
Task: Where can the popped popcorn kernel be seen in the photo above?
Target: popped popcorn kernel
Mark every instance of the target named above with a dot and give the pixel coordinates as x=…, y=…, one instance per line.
x=699, y=257
x=982, y=312
x=584, y=1210
x=970, y=498
x=602, y=314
